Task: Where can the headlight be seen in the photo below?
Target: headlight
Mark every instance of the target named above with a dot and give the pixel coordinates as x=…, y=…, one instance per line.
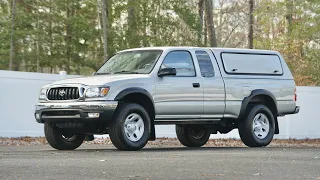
x=43, y=94
x=94, y=92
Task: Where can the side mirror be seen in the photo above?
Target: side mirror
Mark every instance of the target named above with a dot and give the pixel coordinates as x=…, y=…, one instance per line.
x=167, y=72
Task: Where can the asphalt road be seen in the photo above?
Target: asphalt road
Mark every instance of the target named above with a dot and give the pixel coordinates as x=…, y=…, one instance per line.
x=105, y=162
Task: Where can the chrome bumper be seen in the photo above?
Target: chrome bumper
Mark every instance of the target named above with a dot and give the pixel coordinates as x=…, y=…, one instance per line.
x=77, y=111
x=81, y=105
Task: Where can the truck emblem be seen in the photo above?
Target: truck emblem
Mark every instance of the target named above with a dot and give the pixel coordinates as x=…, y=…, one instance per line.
x=62, y=92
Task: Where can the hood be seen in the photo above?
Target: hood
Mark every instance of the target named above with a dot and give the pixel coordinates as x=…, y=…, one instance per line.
x=100, y=79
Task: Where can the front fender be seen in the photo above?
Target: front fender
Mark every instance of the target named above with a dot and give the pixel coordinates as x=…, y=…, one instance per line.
x=128, y=91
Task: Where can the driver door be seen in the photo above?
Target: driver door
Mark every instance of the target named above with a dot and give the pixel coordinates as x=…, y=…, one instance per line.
x=179, y=96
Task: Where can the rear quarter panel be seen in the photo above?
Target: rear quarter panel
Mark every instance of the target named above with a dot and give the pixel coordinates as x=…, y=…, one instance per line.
x=240, y=86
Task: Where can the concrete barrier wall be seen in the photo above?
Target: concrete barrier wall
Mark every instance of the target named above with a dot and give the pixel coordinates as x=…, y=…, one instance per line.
x=19, y=93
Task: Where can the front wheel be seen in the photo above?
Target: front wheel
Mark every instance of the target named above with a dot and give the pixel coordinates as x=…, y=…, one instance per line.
x=60, y=140
x=130, y=129
x=192, y=136
x=258, y=126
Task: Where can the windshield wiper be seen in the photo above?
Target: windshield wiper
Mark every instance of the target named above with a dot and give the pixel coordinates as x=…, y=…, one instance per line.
x=125, y=72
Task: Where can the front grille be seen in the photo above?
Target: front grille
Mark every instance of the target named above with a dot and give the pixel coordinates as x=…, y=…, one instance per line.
x=63, y=93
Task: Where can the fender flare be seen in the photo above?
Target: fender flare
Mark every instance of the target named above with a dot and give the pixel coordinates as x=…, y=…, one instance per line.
x=253, y=94
x=132, y=90
x=128, y=91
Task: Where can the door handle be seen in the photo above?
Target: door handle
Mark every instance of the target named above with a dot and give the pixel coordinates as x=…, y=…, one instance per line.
x=196, y=85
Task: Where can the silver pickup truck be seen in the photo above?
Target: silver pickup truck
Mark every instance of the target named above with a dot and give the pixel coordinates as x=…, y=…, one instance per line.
x=201, y=90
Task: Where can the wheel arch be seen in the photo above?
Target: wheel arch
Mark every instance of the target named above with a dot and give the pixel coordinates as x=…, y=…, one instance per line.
x=143, y=98
x=264, y=97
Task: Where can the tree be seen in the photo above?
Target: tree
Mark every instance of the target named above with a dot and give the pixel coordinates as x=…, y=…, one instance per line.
x=132, y=29
x=201, y=18
x=250, y=34
x=13, y=12
x=210, y=23
x=289, y=17
x=104, y=27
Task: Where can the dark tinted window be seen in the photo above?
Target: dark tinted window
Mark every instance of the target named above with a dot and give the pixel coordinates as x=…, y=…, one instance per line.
x=245, y=63
x=181, y=61
x=205, y=64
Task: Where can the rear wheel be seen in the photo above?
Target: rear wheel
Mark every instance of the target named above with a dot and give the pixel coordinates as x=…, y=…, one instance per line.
x=130, y=129
x=258, y=126
x=62, y=140
x=192, y=136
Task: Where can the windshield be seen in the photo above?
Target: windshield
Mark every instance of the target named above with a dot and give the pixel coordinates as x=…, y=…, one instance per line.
x=131, y=62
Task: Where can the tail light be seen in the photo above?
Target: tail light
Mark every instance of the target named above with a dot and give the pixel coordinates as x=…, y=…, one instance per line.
x=295, y=94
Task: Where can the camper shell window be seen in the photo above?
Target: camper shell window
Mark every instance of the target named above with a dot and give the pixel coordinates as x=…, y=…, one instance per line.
x=245, y=63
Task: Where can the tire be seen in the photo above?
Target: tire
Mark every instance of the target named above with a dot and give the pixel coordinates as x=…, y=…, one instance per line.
x=192, y=137
x=257, y=128
x=130, y=129
x=60, y=141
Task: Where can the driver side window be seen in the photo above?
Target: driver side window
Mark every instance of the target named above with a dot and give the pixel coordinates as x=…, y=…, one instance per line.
x=181, y=61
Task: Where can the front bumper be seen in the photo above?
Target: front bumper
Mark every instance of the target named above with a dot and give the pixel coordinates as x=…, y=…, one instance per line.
x=75, y=111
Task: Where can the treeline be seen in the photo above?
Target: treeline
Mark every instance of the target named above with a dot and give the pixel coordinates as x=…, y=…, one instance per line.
x=78, y=35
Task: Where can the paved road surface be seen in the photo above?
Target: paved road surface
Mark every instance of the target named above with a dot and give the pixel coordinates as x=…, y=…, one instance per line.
x=105, y=162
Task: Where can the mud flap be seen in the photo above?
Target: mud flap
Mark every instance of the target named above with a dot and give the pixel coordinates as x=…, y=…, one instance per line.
x=276, y=131
x=152, y=132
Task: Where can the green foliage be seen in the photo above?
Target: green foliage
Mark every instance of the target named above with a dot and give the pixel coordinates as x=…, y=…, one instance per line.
x=67, y=34
x=300, y=47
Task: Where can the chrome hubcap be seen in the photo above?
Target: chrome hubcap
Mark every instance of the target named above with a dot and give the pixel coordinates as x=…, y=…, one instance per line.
x=197, y=133
x=261, y=126
x=134, y=127
x=69, y=138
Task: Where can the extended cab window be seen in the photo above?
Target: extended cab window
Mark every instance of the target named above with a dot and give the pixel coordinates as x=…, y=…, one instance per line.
x=205, y=64
x=181, y=61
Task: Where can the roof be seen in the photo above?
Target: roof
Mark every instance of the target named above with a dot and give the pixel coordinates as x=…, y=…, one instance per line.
x=218, y=49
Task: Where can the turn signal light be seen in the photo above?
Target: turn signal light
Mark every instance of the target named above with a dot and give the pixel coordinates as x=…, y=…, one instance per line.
x=104, y=91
